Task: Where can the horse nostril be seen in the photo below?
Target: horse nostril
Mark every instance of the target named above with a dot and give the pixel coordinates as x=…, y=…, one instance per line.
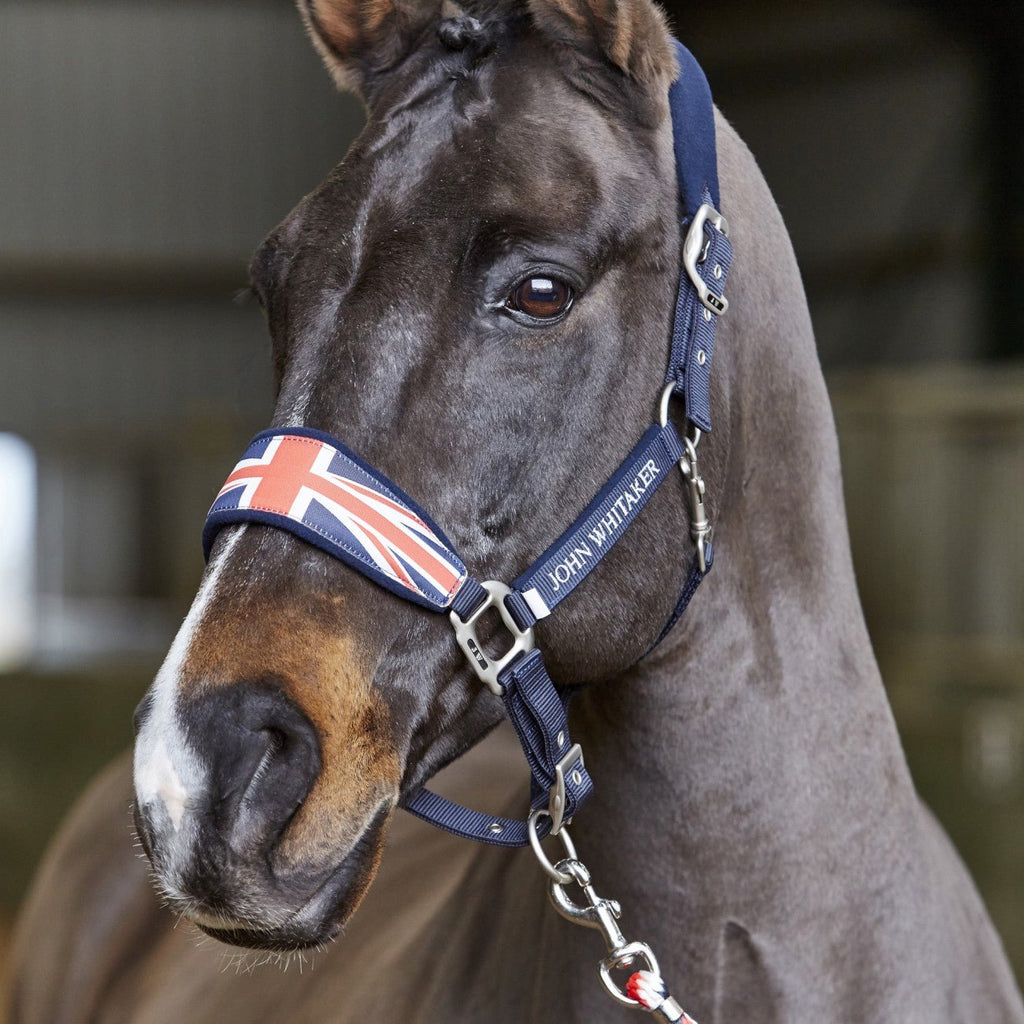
x=263, y=756
x=275, y=743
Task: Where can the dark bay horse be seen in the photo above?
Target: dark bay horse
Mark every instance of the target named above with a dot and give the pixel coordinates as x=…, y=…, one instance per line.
x=753, y=809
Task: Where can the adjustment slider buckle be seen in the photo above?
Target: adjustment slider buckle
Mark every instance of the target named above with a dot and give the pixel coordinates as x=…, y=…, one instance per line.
x=695, y=249
x=556, y=795
x=487, y=668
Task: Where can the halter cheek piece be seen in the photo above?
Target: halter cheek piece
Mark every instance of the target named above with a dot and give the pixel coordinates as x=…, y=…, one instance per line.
x=310, y=484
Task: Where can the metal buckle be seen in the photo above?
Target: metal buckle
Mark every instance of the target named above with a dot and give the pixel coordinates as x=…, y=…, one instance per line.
x=695, y=251
x=556, y=795
x=486, y=668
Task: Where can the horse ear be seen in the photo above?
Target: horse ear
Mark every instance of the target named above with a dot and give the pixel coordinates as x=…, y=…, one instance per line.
x=361, y=38
x=631, y=34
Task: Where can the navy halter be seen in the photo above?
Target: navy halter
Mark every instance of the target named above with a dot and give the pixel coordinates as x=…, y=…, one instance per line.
x=310, y=484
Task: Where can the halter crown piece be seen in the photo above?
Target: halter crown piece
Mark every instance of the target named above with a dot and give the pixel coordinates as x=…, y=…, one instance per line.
x=310, y=484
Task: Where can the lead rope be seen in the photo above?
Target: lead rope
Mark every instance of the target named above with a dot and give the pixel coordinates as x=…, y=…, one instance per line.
x=644, y=989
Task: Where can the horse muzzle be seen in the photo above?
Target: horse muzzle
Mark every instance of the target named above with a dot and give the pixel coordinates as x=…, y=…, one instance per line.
x=214, y=798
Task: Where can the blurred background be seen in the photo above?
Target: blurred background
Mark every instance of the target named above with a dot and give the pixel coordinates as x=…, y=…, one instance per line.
x=146, y=146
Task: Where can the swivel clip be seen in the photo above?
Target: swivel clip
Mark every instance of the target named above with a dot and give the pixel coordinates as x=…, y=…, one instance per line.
x=603, y=915
x=700, y=527
x=596, y=912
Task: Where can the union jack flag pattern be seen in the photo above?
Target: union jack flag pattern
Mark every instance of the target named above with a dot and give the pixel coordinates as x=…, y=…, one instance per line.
x=309, y=485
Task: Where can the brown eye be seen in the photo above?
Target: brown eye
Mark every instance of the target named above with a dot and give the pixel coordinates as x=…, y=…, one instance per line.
x=541, y=298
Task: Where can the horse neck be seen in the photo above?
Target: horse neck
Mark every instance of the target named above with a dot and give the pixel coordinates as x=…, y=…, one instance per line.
x=753, y=812
x=750, y=790
x=741, y=760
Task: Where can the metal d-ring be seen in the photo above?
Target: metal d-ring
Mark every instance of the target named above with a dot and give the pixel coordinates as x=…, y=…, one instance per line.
x=693, y=432
x=666, y=397
x=561, y=877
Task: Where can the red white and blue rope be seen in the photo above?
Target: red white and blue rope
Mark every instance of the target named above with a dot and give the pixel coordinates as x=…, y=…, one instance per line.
x=648, y=989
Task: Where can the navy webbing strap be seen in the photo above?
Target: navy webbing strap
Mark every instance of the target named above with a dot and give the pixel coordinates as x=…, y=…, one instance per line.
x=538, y=712
x=466, y=823
x=707, y=255
x=693, y=134
x=571, y=558
x=694, y=577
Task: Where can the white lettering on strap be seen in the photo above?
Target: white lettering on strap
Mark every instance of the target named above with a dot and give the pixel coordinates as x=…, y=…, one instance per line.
x=570, y=566
x=603, y=532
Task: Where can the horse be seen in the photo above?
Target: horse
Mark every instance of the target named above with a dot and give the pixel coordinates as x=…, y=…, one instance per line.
x=478, y=300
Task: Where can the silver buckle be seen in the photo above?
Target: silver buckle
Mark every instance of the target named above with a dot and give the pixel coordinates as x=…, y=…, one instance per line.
x=556, y=795
x=486, y=668
x=695, y=251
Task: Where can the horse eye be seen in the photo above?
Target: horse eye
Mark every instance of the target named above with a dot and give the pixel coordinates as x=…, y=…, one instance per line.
x=541, y=298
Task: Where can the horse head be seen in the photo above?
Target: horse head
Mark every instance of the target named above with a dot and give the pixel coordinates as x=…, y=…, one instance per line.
x=478, y=301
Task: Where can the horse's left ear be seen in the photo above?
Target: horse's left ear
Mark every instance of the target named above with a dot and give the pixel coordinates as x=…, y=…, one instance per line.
x=631, y=34
x=359, y=39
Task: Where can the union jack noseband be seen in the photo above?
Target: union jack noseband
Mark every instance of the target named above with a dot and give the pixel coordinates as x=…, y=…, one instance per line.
x=311, y=485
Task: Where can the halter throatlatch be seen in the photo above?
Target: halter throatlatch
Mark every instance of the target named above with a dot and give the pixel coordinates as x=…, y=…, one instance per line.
x=311, y=485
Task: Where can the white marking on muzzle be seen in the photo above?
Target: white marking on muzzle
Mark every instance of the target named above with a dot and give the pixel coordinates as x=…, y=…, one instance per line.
x=168, y=773
x=158, y=776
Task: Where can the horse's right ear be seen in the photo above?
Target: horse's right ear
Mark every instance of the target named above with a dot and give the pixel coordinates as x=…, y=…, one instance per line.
x=630, y=34
x=359, y=39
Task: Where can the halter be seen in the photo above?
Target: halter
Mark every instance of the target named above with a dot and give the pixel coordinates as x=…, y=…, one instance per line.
x=312, y=485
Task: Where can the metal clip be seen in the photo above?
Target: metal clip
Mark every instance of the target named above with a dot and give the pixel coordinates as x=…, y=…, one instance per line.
x=603, y=915
x=695, y=250
x=488, y=669
x=700, y=527
x=597, y=913
x=556, y=795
